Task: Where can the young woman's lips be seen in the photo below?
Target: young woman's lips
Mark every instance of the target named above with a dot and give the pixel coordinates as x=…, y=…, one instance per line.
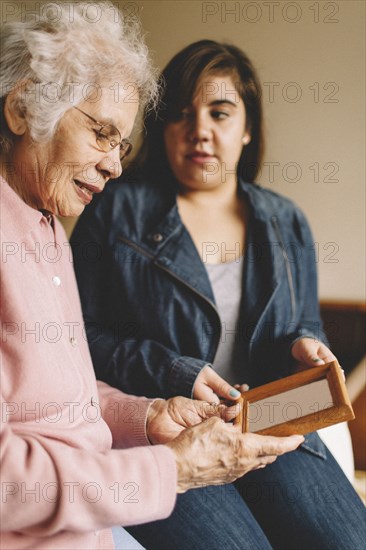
x=200, y=158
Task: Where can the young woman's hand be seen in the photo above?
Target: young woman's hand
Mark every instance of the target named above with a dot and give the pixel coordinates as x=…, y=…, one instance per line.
x=311, y=353
x=241, y=387
x=209, y=386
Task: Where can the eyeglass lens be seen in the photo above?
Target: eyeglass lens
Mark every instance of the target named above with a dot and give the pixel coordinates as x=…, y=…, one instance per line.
x=109, y=137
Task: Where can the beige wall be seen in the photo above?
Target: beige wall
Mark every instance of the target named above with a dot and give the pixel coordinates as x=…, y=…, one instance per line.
x=316, y=145
x=310, y=56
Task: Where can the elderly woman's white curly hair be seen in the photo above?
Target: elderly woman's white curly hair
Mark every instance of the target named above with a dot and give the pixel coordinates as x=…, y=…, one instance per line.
x=64, y=57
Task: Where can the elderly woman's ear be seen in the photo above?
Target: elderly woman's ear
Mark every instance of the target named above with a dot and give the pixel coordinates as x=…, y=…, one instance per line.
x=14, y=111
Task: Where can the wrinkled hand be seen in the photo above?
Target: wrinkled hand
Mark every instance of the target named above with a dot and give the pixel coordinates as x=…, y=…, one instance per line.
x=311, y=353
x=215, y=453
x=209, y=386
x=167, y=419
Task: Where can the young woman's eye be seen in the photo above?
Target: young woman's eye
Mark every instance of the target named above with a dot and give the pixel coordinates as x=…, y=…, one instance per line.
x=219, y=115
x=184, y=115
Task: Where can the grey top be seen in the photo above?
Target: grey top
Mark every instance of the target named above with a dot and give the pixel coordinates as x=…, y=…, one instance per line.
x=226, y=282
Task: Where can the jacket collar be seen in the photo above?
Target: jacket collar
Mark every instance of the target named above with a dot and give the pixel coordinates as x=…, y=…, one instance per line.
x=262, y=210
x=173, y=249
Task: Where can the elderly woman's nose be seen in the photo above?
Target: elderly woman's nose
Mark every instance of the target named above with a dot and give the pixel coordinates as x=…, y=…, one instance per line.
x=110, y=164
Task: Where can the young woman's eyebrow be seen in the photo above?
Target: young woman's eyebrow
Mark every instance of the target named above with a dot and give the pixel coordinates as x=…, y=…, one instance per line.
x=217, y=102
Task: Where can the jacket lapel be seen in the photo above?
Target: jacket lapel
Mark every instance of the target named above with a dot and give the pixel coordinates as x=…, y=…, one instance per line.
x=175, y=252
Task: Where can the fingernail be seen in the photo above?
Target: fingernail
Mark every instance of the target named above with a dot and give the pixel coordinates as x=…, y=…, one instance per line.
x=316, y=359
x=234, y=393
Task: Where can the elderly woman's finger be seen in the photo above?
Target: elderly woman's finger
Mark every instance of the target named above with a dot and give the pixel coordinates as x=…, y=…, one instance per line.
x=271, y=445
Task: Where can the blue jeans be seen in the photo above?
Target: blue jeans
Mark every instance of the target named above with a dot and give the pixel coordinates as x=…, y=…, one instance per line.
x=302, y=501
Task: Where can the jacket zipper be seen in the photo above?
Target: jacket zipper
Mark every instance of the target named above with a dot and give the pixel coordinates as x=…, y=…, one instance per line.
x=288, y=269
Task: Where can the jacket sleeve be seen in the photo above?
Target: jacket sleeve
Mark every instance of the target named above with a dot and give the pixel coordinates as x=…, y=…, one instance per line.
x=120, y=356
x=48, y=486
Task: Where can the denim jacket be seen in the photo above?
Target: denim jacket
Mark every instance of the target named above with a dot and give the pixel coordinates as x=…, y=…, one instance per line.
x=149, y=309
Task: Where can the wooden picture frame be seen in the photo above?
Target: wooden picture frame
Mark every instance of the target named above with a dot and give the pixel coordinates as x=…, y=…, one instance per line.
x=298, y=404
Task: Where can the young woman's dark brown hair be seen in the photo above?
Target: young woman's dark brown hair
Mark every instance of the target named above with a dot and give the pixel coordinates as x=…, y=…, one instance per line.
x=180, y=80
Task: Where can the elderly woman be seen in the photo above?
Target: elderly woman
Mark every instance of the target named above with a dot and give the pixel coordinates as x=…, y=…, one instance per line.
x=71, y=91
x=204, y=278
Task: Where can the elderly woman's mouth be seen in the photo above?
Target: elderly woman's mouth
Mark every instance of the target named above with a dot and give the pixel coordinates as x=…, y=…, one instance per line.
x=84, y=191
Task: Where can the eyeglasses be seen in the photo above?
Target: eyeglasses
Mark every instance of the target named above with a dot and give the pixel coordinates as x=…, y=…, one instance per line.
x=108, y=137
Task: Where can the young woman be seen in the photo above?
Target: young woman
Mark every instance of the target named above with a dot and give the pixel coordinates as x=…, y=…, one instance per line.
x=202, y=281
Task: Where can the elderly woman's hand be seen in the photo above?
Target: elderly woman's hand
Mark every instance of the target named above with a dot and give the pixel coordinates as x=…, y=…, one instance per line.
x=167, y=419
x=311, y=353
x=215, y=453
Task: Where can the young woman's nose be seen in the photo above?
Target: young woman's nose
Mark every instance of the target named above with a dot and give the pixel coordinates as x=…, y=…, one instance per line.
x=200, y=128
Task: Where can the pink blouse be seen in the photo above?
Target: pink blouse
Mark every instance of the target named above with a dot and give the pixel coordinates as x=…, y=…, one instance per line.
x=66, y=476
